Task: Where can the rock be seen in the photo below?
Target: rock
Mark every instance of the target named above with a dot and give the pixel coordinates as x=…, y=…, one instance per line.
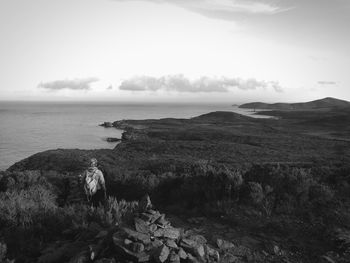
x=223, y=244
x=161, y=221
x=127, y=253
x=107, y=124
x=172, y=233
x=141, y=226
x=157, y=243
x=185, y=243
x=171, y=243
x=182, y=253
x=212, y=254
x=145, y=203
x=240, y=251
x=150, y=217
x=174, y=257
x=162, y=254
x=198, y=238
x=159, y=233
x=112, y=139
x=136, y=236
x=127, y=242
x=192, y=259
x=229, y=258
x=137, y=247
x=199, y=251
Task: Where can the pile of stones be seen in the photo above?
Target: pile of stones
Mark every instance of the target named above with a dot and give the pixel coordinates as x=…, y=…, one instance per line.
x=152, y=238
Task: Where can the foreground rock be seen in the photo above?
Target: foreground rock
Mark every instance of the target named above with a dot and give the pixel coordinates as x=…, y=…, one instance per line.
x=147, y=237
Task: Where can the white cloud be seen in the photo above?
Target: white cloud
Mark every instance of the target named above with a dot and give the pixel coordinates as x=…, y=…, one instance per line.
x=180, y=83
x=71, y=84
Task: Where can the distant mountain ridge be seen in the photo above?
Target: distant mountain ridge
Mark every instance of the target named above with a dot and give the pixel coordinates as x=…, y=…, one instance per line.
x=316, y=104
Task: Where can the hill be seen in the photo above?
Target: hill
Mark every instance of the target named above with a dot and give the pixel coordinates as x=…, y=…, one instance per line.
x=311, y=105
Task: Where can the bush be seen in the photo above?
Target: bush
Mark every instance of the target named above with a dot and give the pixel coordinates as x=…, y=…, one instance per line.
x=24, y=207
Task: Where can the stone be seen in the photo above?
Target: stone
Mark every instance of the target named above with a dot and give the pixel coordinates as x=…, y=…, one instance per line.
x=162, y=221
x=136, y=236
x=199, y=251
x=137, y=247
x=192, y=259
x=150, y=217
x=153, y=228
x=212, y=254
x=159, y=233
x=240, y=251
x=127, y=242
x=157, y=243
x=182, y=253
x=185, y=242
x=198, y=238
x=129, y=254
x=174, y=257
x=223, y=244
x=171, y=243
x=141, y=226
x=172, y=233
x=145, y=203
x=162, y=254
x=229, y=258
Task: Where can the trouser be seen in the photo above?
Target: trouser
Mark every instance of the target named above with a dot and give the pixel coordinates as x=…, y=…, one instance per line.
x=98, y=198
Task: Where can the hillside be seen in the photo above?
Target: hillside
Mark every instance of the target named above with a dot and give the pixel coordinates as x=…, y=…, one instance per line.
x=311, y=105
x=254, y=190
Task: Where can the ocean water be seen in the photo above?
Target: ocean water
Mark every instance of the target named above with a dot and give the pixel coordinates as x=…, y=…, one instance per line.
x=30, y=127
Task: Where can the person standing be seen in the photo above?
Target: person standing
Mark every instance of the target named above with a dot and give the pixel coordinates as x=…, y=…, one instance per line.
x=94, y=184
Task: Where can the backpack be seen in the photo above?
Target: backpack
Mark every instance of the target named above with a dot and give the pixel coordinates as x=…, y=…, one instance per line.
x=90, y=185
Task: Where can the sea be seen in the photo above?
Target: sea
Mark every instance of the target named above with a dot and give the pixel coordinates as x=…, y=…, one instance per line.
x=27, y=128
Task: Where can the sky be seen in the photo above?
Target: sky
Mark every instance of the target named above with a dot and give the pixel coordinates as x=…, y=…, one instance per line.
x=229, y=51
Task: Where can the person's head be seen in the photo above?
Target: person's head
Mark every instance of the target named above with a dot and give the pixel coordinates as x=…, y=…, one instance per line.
x=93, y=162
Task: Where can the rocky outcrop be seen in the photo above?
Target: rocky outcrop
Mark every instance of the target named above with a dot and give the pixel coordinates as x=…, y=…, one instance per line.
x=147, y=237
x=152, y=238
x=107, y=124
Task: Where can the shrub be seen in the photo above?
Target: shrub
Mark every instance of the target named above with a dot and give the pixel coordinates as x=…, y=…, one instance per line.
x=24, y=207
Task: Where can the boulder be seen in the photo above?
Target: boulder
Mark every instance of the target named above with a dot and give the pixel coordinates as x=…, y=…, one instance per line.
x=223, y=244
x=162, y=254
x=171, y=243
x=174, y=257
x=136, y=236
x=145, y=204
x=137, y=247
x=182, y=253
x=172, y=233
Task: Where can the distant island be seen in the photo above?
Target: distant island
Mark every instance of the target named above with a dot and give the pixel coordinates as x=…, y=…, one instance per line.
x=311, y=105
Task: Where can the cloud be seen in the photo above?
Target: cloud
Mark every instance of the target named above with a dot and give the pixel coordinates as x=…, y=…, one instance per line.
x=327, y=82
x=72, y=84
x=224, y=9
x=110, y=87
x=180, y=83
